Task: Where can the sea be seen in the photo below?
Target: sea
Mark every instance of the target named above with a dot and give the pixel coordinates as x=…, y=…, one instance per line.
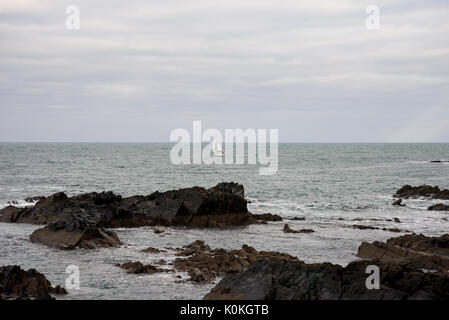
x=331, y=186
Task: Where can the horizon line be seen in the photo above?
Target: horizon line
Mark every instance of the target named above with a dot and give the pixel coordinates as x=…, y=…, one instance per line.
x=281, y=142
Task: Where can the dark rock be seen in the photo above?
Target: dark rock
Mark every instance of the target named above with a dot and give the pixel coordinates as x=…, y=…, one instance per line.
x=267, y=217
x=230, y=187
x=222, y=205
x=439, y=207
x=153, y=250
x=430, y=253
x=137, y=267
x=424, y=191
x=75, y=232
x=294, y=280
x=298, y=218
x=396, y=220
x=362, y=227
x=398, y=203
x=18, y=283
x=287, y=229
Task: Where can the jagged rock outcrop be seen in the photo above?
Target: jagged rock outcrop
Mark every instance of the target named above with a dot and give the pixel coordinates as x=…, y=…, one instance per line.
x=222, y=205
x=293, y=280
x=17, y=283
x=430, y=253
x=424, y=191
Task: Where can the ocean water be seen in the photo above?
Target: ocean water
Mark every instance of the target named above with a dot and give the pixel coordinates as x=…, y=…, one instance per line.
x=320, y=182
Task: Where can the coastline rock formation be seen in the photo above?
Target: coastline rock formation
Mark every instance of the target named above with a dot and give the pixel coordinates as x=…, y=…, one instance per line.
x=79, y=221
x=220, y=206
x=16, y=283
x=424, y=191
x=293, y=280
x=431, y=253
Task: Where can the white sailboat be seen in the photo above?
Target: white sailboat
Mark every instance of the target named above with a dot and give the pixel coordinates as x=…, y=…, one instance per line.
x=216, y=150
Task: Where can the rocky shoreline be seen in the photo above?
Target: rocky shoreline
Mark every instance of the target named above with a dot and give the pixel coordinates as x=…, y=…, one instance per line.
x=412, y=266
x=80, y=221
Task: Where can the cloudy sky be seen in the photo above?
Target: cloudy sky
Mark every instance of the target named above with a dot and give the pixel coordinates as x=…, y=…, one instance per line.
x=136, y=70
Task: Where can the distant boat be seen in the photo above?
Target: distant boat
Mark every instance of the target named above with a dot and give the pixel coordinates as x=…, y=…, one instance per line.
x=217, y=151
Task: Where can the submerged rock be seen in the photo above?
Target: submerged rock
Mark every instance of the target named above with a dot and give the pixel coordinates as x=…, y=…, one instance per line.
x=267, y=217
x=398, y=203
x=137, y=267
x=430, y=253
x=287, y=229
x=439, y=207
x=294, y=280
x=17, y=283
x=424, y=191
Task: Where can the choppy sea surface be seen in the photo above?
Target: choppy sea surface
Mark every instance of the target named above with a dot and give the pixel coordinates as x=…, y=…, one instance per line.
x=320, y=182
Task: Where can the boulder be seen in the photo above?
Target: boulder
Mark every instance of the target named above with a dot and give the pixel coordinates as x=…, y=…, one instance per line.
x=439, y=207
x=17, y=283
x=294, y=280
x=75, y=232
x=424, y=191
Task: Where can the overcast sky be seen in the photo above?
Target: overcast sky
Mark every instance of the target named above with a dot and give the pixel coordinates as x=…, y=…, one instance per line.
x=136, y=70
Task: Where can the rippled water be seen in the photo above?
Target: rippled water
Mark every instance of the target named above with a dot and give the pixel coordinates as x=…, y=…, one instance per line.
x=321, y=182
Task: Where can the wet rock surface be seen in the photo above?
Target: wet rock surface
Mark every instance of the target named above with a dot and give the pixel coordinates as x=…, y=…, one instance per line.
x=423, y=191
x=17, y=283
x=293, y=280
x=431, y=253
x=287, y=229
